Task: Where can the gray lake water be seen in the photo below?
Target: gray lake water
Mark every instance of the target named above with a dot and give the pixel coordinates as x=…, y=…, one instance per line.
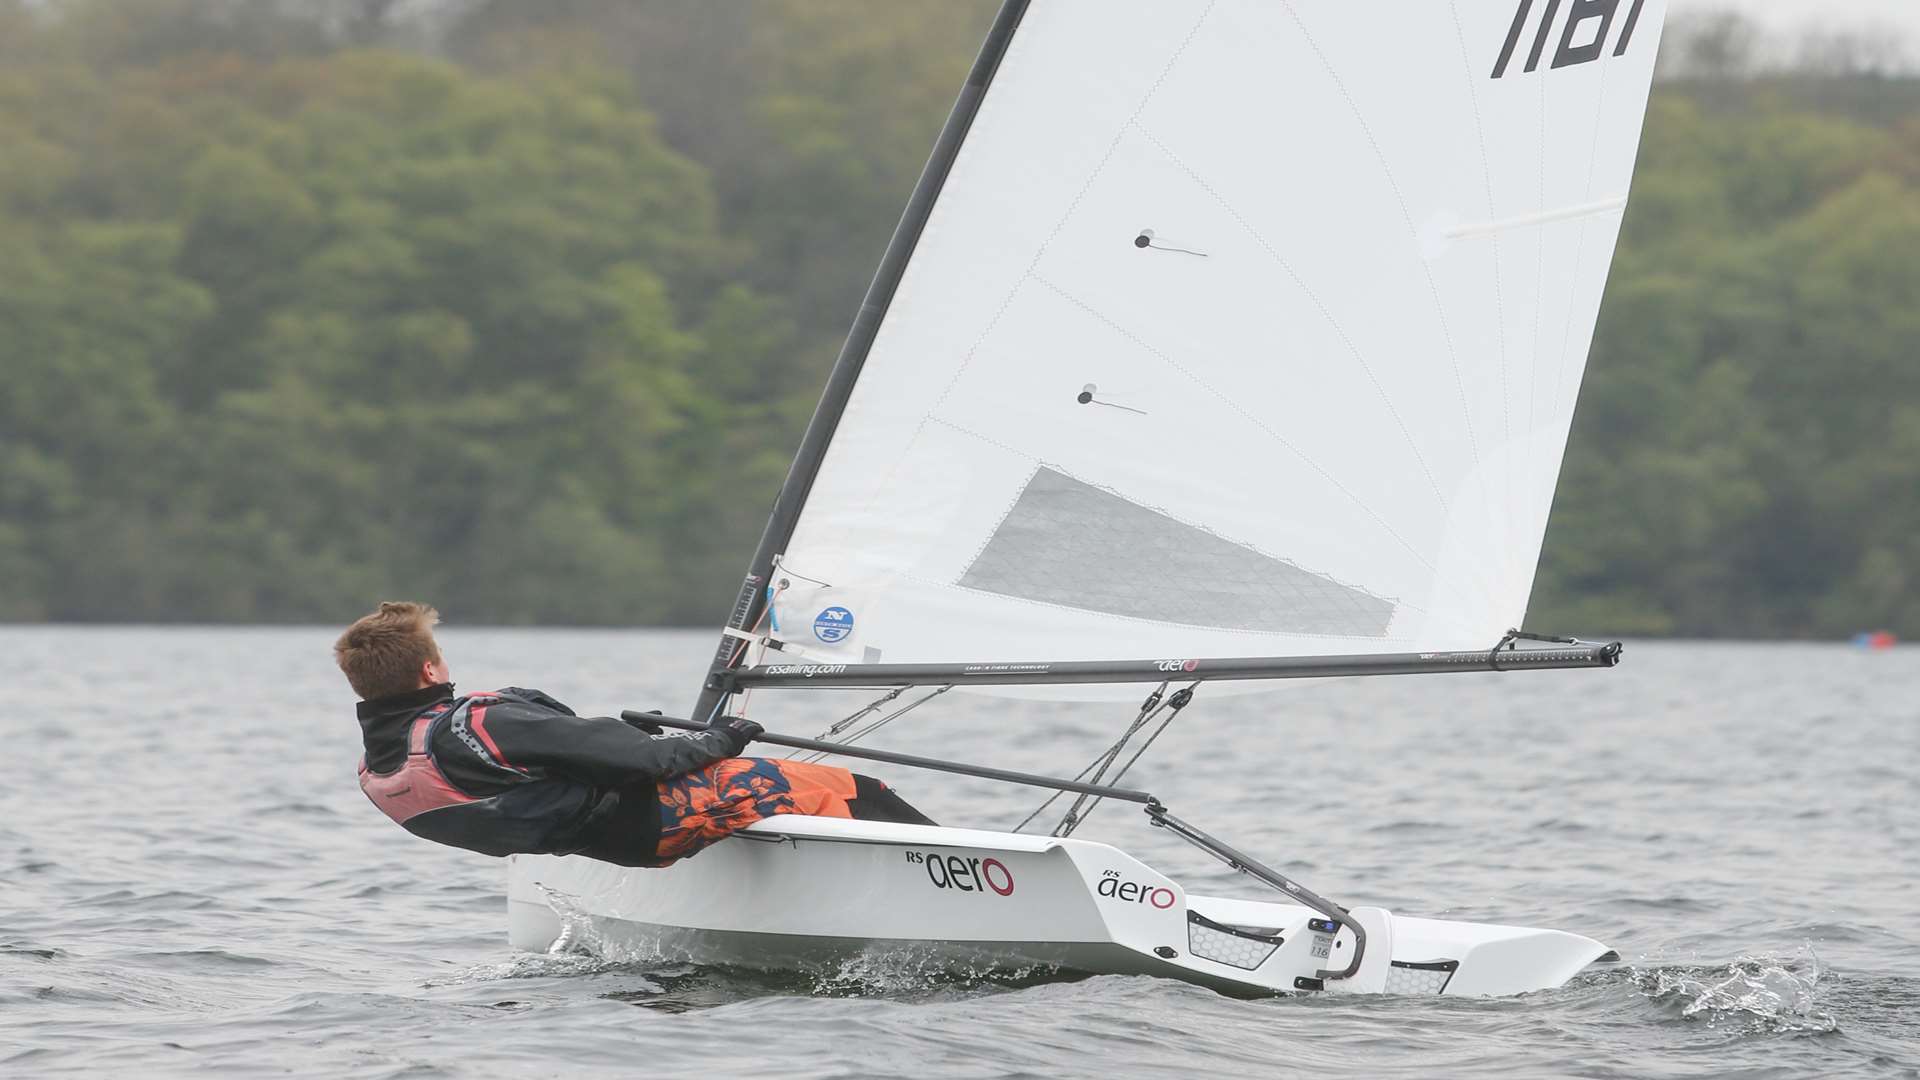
x=191, y=883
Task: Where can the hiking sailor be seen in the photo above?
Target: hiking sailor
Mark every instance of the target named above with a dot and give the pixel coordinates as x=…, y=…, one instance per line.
x=514, y=771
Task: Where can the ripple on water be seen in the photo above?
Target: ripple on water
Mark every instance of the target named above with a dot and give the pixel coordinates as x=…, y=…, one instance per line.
x=205, y=961
x=168, y=900
x=300, y=810
x=1647, y=808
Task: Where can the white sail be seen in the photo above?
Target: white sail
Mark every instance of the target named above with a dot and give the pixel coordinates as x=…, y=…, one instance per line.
x=1239, y=328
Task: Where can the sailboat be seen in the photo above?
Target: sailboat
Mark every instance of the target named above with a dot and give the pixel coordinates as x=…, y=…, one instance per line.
x=1222, y=342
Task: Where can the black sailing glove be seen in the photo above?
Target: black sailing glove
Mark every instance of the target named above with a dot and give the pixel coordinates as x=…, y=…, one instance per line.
x=738, y=730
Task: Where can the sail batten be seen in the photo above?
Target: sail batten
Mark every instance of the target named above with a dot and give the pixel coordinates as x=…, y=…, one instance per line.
x=1234, y=328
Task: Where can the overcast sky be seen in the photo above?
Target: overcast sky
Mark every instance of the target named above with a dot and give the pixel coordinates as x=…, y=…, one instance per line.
x=1795, y=14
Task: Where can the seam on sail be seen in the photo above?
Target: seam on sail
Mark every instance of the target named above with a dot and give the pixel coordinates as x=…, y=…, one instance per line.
x=1256, y=421
x=1019, y=493
x=1579, y=260
x=1249, y=417
x=1066, y=216
x=1499, y=283
x=1478, y=470
x=1073, y=207
x=1236, y=407
x=965, y=362
x=1132, y=121
x=1438, y=578
x=1539, y=298
x=1593, y=161
x=1406, y=215
x=1320, y=306
x=1040, y=253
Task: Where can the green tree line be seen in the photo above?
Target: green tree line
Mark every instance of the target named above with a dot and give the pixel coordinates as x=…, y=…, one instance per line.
x=521, y=308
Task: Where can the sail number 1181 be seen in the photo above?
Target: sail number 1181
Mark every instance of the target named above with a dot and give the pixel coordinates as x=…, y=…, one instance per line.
x=1590, y=24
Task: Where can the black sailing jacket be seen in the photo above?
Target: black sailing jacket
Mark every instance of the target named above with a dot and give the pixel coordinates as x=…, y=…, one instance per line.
x=541, y=780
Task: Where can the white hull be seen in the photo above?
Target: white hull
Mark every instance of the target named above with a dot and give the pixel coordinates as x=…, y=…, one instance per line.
x=804, y=892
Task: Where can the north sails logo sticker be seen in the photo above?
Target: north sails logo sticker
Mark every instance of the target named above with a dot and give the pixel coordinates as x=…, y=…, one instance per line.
x=833, y=625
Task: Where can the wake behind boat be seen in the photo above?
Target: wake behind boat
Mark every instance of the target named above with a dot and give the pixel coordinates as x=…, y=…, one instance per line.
x=1242, y=337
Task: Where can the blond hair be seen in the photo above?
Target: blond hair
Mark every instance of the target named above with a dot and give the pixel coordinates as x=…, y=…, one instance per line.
x=382, y=653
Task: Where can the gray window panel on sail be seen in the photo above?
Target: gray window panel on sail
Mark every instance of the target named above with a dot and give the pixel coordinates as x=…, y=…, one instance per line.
x=1069, y=543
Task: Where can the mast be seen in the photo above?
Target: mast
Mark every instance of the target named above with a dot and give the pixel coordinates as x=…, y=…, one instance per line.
x=853, y=356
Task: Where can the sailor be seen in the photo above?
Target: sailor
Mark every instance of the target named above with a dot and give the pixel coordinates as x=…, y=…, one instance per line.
x=515, y=771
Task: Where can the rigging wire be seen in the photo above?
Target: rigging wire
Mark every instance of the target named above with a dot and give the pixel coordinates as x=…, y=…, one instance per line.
x=1042, y=808
x=1071, y=819
x=1148, y=710
x=848, y=721
x=880, y=723
x=1178, y=701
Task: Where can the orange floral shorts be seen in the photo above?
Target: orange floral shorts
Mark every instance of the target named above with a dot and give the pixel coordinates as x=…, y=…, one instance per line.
x=712, y=803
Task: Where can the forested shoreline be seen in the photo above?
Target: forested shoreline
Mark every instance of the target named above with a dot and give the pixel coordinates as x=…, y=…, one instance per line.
x=279, y=295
